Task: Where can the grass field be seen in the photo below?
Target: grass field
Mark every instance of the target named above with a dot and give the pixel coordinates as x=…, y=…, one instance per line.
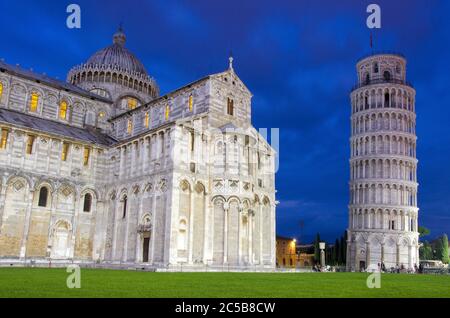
x=26, y=282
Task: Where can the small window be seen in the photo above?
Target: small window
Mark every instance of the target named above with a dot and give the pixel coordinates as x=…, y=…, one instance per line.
x=392, y=225
x=146, y=120
x=86, y=155
x=63, y=110
x=386, y=100
x=230, y=106
x=4, y=140
x=43, y=197
x=387, y=76
x=192, y=141
x=367, y=79
x=167, y=113
x=191, y=102
x=132, y=103
x=34, y=101
x=29, y=146
x=87, y=202
x=375, y=67
x=125, y=201
x=65, y=151
x=130, y=126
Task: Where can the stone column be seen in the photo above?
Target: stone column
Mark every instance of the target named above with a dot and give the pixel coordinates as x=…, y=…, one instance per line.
x=397, y=258
x=27, y=224
x=367, y=254
x=250, y=234
x=225, y=234
x=206, y=235
x=3, y=187
x=134, y=146
x=127, y=227
x=154, y=227
x=115, y=225
x=75, y=221
x=191, y=226
x=410, y=262
x=239, y=234
x=145, y=155
x=122, y=161
x=139, y=236
x=261, y=221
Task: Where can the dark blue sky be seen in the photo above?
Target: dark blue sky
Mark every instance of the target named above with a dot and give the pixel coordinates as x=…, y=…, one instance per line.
x=298, y=59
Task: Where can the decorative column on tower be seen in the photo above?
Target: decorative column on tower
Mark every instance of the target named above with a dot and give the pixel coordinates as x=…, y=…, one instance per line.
x=383, y=208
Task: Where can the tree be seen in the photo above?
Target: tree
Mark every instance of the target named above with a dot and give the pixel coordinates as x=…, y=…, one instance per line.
x=442, y=248
x=445, y=258
x=426, y=251
x=317, y=249
x=423, y=231
x=341, y=255
x=337, y=249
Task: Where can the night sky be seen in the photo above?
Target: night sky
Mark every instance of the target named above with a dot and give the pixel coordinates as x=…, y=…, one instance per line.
x=297, y=58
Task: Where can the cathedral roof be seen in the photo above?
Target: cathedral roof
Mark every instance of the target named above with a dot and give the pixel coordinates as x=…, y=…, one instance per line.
x=88, y=135
x=117, y=55
x=30, y=75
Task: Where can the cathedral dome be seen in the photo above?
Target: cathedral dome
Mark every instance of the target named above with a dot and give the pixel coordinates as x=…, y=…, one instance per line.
x=116, y=55
x=114, y=72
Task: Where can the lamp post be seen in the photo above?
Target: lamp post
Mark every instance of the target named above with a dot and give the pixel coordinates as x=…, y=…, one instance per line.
x=322, y=253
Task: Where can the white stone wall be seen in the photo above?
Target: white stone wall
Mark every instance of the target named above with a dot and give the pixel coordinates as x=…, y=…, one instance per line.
x=82, y=110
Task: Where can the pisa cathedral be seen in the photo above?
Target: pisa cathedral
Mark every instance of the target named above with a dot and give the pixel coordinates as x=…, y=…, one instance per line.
x=102, y=169
x=383, y=208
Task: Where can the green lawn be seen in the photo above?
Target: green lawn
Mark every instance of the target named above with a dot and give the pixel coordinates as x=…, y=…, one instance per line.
x=26, y=282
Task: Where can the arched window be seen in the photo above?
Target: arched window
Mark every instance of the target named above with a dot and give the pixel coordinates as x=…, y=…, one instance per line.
x=375, y=67
x=34, y=101
x=132, y=103
x=167, y=113
x=101, y=115
x=191, y=102
x=367, y=78
x=63, y=110
x=86, y=156
x=146, y=120
x=387, y=76
x=130, y=126
x=4, y=138
x=125, y=201
x=43, y=196
x=386, y=100
x=87, y=202
x=230, y=106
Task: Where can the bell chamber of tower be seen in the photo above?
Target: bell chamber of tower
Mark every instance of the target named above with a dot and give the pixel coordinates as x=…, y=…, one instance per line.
x=383, y=212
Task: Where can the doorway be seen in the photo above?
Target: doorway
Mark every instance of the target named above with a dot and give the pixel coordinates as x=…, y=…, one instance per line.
x=145, y=249
x=362, y=266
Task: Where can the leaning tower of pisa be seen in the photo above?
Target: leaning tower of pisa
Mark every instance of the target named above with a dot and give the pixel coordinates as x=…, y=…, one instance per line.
x=383, y=208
